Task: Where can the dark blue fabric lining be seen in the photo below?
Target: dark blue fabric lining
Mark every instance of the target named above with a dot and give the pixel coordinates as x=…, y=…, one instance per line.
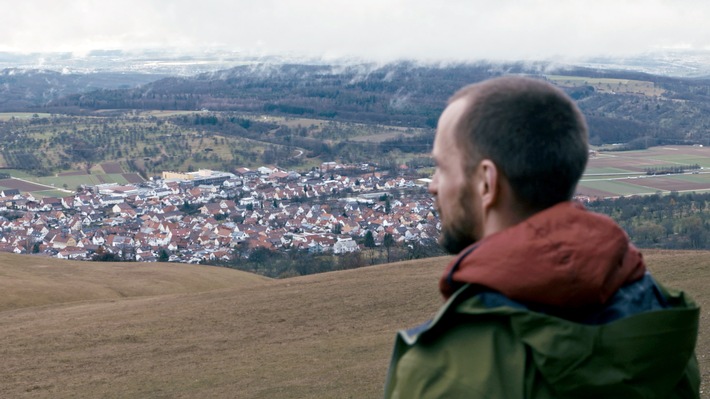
x=419, y=329
x=639, y=296
x=450, y=277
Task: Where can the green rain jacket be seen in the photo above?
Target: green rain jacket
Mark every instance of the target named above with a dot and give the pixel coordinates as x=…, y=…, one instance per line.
x=559, y=306
x=475, y=349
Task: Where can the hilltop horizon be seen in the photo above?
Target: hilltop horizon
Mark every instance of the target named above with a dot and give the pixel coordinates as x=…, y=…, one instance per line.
x=682, y=63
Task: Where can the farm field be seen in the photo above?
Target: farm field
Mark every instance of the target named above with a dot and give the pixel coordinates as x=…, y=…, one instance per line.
x=189, y=331
x=6, y=116
x=72, y=181
x=609, y=85
x=613, y=174
x=60, y=186
x=65, y=183
x=17, y=173
x=22, y=185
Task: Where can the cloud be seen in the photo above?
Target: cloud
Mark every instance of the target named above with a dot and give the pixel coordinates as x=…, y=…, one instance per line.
x=373, y=29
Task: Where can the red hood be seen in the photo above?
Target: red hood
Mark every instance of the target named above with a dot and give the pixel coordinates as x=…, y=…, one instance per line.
x=563, y=256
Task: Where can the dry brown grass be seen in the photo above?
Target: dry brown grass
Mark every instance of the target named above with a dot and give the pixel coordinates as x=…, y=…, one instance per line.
x=321, y=336
x=35, y=281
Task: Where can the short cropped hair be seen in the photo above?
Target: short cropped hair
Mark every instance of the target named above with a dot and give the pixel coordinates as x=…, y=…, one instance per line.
x=531, y=130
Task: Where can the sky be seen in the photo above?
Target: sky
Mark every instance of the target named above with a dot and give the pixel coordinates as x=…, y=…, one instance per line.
x=384, y=30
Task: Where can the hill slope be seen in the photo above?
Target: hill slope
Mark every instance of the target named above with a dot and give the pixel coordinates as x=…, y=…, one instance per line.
x=319, y=336
x=27, y=281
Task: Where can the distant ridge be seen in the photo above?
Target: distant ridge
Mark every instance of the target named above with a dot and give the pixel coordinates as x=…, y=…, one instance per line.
x=412, y=95
x=319, y=336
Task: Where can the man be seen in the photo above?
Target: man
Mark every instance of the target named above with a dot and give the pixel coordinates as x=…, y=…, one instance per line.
x=545, y=299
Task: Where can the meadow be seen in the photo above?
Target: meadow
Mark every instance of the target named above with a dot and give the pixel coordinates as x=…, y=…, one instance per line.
x=85, y=330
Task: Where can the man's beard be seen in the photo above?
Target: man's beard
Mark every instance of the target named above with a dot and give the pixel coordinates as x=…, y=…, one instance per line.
x=459, y=230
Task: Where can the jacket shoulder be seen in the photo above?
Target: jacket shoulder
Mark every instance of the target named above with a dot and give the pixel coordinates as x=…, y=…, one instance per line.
x=491, y=346
x=449, y=357
x=460, y=362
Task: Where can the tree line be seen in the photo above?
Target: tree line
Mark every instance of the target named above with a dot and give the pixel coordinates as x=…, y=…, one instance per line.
x=671, y=221
x=290, y=263
x=675, y=169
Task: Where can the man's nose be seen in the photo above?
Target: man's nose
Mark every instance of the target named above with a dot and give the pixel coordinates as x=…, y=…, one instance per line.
x=433, y=185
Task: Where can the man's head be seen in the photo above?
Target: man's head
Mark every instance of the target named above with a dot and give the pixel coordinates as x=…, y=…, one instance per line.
x=505, y=148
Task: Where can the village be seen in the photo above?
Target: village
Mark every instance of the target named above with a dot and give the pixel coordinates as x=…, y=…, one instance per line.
x=209, y=216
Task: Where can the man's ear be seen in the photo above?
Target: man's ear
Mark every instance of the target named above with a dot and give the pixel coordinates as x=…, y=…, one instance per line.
x=488, y=183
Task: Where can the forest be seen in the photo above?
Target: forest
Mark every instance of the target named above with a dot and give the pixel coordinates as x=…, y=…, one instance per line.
x=673, y=221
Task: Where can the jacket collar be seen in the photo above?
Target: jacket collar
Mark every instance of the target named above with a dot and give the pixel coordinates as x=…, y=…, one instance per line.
x=563, y=256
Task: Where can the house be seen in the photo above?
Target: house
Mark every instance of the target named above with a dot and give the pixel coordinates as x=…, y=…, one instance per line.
x=124, y=210
x=72, y=253
x=246, y=173
x=279, y=176
x=211, y=209
x=248, y=201
x=61, y=241
x=49, y=203
x=267, y=170
x=9, y=192
x=345, y=246
x=119, y=241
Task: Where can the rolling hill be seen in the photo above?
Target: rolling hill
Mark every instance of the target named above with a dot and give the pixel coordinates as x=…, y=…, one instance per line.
x=21, y=88
x=165, y=330
x=36, y=281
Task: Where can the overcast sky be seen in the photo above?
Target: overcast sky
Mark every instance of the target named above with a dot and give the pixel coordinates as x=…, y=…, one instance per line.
x=370, y=29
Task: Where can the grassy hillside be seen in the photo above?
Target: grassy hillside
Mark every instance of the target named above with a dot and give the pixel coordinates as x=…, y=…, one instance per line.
x=27, y=281
x=319, y=336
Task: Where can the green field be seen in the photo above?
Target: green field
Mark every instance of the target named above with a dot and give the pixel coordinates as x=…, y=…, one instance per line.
x=50, y=193
x=703, y=178
x=606, y=171
x=684, y=159
x=616, y=187
x=72, y=182
x=6, y=116
x=613, y=176
x=20, y=174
